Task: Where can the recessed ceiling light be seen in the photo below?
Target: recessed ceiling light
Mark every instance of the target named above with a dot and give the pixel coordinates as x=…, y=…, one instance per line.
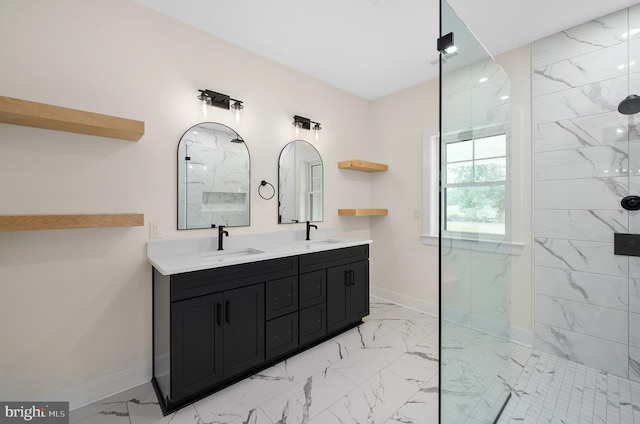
x=483, y=79
x=504, y=97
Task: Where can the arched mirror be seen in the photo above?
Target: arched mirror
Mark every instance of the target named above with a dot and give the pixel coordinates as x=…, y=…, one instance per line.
x=213, y=178
x=300, y=184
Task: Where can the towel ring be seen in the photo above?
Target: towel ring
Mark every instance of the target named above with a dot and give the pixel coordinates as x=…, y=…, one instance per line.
x=264, y=183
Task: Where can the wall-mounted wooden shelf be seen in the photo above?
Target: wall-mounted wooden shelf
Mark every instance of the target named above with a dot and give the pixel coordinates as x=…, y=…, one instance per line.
x=362, y=212
x=361, y=165
x=58, y=222
x=40, y=115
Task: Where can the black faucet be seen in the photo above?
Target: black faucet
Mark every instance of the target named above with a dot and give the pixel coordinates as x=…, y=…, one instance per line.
x=309, y=228
x=221, y=232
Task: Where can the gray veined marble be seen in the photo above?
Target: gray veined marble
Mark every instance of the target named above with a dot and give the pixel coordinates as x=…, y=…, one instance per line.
x=611, y=128
x=585, y=256
x=301, y=404
x=589, y=99
x=592, y=351
x=588, y=225
x=586, y=193
x=598, y=161
x=374, y=401
x=594, y=289
x=588, y=37
x=580, y=70
x=598, y=321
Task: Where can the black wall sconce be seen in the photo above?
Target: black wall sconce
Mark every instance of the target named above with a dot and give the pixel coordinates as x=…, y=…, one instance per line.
x=305, y=124
x=211, y=98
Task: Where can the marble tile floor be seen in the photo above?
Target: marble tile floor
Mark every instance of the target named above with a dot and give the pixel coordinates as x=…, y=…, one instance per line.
x=384, y=371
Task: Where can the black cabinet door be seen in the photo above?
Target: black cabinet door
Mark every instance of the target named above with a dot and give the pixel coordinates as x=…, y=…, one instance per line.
x=359, y=291
x=244, y=321
x=347, y=294
x=196, y=345
x=338, y=287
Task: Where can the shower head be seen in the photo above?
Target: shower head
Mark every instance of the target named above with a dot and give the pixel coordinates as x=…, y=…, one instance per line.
x=630, y=105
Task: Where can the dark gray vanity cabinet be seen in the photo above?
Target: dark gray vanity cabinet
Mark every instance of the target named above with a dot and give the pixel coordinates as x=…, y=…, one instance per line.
x=345, y=278
x=214, y=327
x=209, y=326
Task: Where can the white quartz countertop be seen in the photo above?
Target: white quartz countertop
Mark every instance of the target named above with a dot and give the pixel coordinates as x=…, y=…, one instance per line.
x=177, y=256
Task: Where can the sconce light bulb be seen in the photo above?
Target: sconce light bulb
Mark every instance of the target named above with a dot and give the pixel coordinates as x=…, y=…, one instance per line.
x=297, y=131
x=237, y=116
x=204, y=105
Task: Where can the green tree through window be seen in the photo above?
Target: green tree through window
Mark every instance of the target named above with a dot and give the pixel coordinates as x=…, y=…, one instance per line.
x=474, y=186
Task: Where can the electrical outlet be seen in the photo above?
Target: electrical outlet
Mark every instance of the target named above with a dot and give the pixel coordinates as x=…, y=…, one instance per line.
x=416, y=214
x=154, y=230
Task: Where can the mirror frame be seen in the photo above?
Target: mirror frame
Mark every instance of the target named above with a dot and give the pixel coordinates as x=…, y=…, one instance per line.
x=178, y=177
x=279, y=188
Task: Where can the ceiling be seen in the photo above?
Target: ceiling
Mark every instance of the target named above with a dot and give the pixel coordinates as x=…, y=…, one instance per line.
x=372, y=48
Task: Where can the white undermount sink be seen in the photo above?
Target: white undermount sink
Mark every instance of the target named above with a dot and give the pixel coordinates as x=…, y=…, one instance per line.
x=320, y=243
x=225, y=255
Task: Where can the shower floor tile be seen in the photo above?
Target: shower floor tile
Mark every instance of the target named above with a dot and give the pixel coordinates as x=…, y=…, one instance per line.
x=385, y=371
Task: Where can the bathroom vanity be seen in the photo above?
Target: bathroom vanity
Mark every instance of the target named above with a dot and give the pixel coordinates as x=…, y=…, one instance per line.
x=220, y=316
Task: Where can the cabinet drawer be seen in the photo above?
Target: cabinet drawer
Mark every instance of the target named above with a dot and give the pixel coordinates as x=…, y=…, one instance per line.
x=198, y=283
x=313, y=323
x=313, y=288
x=282, y=335
x=281, y=297
x=316, y=261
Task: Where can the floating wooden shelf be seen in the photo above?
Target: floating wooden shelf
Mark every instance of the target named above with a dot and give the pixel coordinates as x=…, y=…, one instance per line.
x=361, y=165
x=362, y=212
x=40, y=115
x=57, y=222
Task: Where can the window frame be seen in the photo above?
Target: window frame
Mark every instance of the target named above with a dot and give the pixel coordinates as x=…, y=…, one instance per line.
x=473, y=137
x=516, y=162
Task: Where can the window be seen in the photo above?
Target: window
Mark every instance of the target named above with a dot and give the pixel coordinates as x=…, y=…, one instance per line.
x=474, y=185
x=314, y=192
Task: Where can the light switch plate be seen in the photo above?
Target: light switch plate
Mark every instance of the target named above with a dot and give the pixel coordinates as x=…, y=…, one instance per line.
x=154, y=230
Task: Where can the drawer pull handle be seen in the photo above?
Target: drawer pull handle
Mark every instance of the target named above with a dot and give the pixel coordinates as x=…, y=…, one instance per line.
x=227, y=311
x=219, y=313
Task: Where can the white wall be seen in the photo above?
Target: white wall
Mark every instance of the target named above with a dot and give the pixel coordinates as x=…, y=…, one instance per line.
x=75, y=305
x=404, y=269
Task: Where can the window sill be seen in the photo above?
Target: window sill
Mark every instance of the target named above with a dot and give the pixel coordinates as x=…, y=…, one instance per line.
x=480, y=245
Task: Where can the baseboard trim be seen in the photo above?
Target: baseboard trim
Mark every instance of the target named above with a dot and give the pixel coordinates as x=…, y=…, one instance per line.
x=518, y=335
x=100, y=388
x=407, y=301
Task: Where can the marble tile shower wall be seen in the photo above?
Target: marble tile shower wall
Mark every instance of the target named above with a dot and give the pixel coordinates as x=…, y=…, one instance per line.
x=586, y=159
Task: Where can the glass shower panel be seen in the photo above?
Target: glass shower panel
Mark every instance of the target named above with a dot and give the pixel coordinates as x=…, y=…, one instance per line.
x=475, y=249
